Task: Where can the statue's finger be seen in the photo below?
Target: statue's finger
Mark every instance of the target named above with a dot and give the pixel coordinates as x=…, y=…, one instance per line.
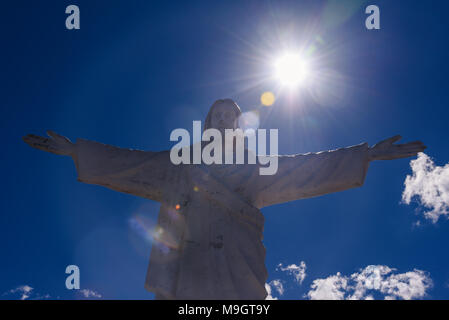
x=413, y=154
x=31, y=138
x=37, y=142
x=52, y=134
x=394, y=139
x=415, y=142
x=38, y=145
x=26, y=139
x=409, y=155
x=44, y=147
x=412, y=147
x=57, y=136
x=410, y=152
x=405, y=155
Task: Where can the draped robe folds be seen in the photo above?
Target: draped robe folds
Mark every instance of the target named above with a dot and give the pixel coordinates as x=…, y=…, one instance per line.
x=208, y=243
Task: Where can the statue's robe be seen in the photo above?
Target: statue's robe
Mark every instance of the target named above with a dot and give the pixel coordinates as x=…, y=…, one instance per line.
x=208, y=244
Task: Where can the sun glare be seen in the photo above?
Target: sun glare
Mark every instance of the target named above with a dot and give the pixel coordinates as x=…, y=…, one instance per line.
x=291, y=69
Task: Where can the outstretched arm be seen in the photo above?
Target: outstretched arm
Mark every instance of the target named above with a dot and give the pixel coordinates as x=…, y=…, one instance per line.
x=141, y=173
x=313, y=174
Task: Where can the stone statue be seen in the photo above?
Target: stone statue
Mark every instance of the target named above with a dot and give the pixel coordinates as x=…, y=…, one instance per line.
x=208, y=243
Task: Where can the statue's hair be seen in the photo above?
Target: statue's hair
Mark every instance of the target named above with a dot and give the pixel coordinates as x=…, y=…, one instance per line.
x=234, y=106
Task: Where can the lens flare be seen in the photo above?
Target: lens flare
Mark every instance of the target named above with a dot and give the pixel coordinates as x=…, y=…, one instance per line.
x=152, y=233
x=249, y=121
x=267, y=98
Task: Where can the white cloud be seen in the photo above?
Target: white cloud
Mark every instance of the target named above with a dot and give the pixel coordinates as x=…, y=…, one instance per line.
x=87, y=293
x=331, y=288
x=299, y=272
x=269, y=296
x=374, y=278
x=409, y=285
x=429, y=185
x=275, y=284
x=25, y=292
x=370, y=278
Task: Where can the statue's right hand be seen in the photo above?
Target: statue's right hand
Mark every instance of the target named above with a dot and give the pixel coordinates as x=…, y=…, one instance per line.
x=56, y=143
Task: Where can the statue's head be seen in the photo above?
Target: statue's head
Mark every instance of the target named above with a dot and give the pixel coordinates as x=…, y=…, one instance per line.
x=223, y=114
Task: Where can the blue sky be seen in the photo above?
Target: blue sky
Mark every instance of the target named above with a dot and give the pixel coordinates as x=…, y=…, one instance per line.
x=137, y=70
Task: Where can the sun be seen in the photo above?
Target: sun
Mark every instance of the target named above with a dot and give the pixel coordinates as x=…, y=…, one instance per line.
x=291, y=69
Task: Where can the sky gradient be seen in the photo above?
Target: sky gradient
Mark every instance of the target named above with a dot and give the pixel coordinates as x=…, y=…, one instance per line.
x=137, y=70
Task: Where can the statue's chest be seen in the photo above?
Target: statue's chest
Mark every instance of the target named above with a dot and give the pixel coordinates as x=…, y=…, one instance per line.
x=231, y=177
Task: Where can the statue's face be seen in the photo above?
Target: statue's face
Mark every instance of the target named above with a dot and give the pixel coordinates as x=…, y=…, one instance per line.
x=223, y=117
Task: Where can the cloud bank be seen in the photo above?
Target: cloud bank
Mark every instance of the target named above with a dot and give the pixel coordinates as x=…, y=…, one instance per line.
x=374, y=279
x=26, y=292
x=23, y=291
x=88, y=293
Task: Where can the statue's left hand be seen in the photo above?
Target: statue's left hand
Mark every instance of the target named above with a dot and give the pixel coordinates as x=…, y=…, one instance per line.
x=386, y=150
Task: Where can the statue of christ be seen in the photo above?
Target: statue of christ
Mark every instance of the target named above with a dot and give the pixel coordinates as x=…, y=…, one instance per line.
x=208, y=243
